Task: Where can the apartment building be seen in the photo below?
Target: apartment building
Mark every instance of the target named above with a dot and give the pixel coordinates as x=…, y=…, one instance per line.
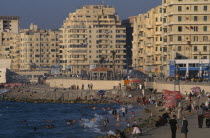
x=147, y=39
x=38, y=48
x=177, y=29
x=9, y=24
x=92, y=36
x=9, y=48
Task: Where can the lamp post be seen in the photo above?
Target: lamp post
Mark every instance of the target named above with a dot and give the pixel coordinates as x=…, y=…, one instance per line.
x=113, y=57
x=209, y=63
x=127, y=59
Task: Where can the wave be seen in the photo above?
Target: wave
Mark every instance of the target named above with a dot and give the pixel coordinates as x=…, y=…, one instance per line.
x=110, y=133
x=94, y=125
x=3, y=91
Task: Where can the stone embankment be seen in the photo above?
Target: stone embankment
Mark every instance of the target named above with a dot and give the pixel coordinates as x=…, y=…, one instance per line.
x=46, y=94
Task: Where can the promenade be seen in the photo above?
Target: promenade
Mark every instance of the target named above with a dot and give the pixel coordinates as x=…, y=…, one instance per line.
x=194, y=131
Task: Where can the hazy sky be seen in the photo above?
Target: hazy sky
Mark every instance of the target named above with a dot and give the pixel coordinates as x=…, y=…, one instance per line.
x=49, y=14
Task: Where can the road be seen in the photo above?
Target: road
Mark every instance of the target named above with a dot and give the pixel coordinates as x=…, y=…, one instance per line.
x=194, y=131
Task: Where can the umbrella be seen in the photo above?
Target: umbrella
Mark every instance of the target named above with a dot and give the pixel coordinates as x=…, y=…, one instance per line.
x=179, y=96
x=101, y=92
x=170, y=103
x=170, y=97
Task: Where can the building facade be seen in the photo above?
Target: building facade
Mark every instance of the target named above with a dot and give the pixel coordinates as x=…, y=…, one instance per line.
x=38, y=48
x=177, y=29
x=9, y=49
x=92, y=36
x=9, y=24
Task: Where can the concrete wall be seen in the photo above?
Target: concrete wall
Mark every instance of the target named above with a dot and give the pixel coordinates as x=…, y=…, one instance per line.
x=184, y=86
x=97, y=85
x=5, y=63
x=3, y=78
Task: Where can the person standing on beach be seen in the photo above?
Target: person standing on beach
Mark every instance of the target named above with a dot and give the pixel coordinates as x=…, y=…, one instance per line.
x=200, y=117
x=82, y=86
x=143, y=92
x=107, y=121
x=114, y=112
x=184, y=128
x=173, y=125
x=91, y=86
x=123, y=111
x=118, y=118
x=136, y=132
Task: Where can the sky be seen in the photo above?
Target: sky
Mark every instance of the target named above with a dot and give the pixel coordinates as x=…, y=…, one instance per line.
x=50, y=14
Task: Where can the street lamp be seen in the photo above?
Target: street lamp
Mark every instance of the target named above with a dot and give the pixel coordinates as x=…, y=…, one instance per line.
x=113, y=57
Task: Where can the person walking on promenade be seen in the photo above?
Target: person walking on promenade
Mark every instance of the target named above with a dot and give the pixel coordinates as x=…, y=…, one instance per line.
x=200, y=117
x=173, y=124
x=184, y=128
x=207, y=116
x=179, y=109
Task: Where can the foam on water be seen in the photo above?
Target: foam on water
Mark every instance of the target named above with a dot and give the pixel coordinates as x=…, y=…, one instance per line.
x=94, y=126
x=110, y=132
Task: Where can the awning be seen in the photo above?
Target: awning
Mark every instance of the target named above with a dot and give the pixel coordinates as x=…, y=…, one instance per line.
x=136, y=80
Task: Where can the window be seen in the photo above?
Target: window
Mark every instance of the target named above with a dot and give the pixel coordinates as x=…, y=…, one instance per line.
x=205, y=38
x=204, y=57
x=204, y=48
x=205, y=28
x=195, y=18
x=195, y=57
x=180, y=28
x=205, y=18
x=195, y=8
x=179, y=48
x=179, y=8
x=195, y=28
x=179, y=38
x=195, y=48
x=179, y=18
x=205, y=8
x=195, y=38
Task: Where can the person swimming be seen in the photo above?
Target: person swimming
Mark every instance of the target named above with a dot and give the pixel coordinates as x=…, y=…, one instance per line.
x=93, y=120
x=94, y=107
x=103, y=108
x=69, y=122
x=50, y=126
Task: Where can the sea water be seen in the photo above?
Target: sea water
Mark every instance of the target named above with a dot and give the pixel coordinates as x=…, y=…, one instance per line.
x=29, y=120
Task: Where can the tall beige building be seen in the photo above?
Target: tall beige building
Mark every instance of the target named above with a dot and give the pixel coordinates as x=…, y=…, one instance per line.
x=38, y=48
x=9, y=24
x=9, y=48
x=93, y=35
x=177, y=29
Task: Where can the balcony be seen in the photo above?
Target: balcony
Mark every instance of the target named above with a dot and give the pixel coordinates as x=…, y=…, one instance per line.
x=157, y=52
x=149, y=44
x=149, y=27
x=158, y=33
x=149, y=54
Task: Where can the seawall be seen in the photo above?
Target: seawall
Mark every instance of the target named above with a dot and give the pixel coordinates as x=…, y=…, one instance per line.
x=97, y=85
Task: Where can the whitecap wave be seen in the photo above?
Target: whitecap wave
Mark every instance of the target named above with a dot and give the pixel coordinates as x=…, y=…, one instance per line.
x=94, y=125
x=111, y=133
